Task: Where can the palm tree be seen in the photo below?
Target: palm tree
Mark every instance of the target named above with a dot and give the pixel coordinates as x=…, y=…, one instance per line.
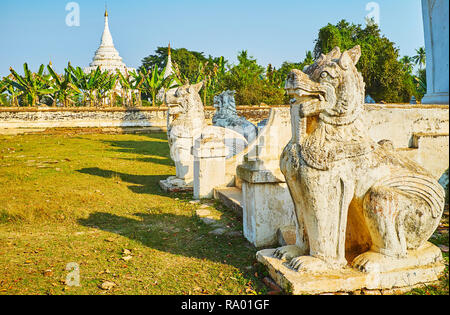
x=31, y=84
x=420, y=57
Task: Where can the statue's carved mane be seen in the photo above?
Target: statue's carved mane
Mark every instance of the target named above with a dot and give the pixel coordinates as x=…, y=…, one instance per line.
x=336, y=89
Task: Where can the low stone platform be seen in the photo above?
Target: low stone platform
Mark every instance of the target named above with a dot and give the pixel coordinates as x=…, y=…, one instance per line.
x=351, y=280
x=231, y=197
x=171, y=185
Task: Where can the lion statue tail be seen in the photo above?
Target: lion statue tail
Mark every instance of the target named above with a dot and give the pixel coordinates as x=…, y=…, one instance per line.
x=420, y=186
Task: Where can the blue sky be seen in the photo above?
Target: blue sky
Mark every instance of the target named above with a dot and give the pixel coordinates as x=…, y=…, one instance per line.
x=271, y=31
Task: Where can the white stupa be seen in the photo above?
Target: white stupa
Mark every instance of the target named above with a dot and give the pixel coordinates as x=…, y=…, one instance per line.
x=107, y=57
x=169, y=67
x=168, y=72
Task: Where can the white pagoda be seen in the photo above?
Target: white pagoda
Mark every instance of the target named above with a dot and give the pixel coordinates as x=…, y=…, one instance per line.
x=107, y=57
x=168, y=72
x=169, y=67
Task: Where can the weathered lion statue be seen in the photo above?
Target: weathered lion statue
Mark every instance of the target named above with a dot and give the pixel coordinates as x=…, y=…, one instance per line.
x=356, y=201
x=185, y=122
x=226, y=116
x=185, y=125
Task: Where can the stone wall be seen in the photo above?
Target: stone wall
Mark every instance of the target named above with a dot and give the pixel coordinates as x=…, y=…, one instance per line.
x=155, y=118
x=397, y=122
x=81, y=117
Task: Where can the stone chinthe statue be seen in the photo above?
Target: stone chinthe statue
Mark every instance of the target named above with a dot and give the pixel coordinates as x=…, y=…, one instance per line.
x=186, y=129
x=226, y=116
x=363, y=212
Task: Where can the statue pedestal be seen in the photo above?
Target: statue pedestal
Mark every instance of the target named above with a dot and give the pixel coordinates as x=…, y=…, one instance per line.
x=422, y=266
x=267, y=205
x=209, y=166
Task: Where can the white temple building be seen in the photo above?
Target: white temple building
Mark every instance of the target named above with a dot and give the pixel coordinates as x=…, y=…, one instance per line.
x=107, y=57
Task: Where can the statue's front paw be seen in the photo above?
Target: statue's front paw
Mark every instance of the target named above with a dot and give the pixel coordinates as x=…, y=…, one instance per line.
x=287, y=252
x=368, y=262
x=309, y=264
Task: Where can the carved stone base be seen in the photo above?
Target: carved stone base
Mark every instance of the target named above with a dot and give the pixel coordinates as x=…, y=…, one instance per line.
x=352, y=280
x=173, y=184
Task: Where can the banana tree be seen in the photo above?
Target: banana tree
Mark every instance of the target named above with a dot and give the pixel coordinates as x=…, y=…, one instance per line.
x=95, y=80
x=421, y=85
x=87, y=82
x=3, y=97
x=79, y=78
x=32, y=85
x=130, y=83
x=107, y=82
x=153, y=82
x=10, y=89
x=63, y=86
x=211, y=76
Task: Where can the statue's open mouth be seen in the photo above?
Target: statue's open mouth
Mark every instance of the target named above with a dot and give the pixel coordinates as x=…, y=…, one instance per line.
x=301, y=95
x=303, y=89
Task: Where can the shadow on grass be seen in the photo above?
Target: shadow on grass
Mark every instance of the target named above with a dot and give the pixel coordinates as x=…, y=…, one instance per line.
x=150, y=148
x=143, y=184
x=176, y=234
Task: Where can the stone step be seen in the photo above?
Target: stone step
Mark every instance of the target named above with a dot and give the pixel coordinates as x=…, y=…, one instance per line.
x=231, y=197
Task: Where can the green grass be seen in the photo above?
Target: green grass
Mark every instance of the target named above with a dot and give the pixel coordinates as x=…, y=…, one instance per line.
x=86, y=198
x=94, y=199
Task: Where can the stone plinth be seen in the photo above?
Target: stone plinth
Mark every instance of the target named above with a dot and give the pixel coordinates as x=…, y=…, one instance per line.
x=267, y=205
x=423, y=266
x=209, y=166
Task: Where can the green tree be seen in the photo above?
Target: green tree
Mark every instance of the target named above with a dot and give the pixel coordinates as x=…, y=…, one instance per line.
x=420, y=81
x=407, y=63
x=384, y=74
x=251, y=83
x=287, y=67
x=187, y=61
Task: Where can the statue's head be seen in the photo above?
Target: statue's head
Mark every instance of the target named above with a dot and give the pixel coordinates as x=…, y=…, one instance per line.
x=185, y=100
x=224, y=102
x=332, y=87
